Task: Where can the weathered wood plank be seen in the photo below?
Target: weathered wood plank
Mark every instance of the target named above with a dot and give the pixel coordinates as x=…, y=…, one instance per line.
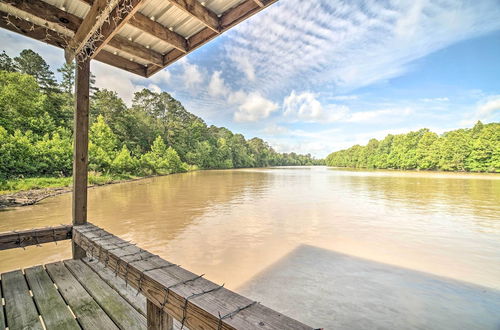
x=197, y=10
x=138, y=301
x=190, y=299
x=71, y=22
x=19, y=306
x=114, y=22
x=15, y=239
x=54, y=311
x=158, y=319
x=159, y=31
x=89, y=314
x=120, y=62
x=80, y=148
x=92, y=21
x=120, y=311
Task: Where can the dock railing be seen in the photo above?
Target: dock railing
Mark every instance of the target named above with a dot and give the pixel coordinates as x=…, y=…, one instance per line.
x=171, y=291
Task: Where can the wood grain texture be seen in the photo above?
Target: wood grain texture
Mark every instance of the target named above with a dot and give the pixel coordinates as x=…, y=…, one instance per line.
x=52, y=308
x=89, y=314
x=118, y=309
x=114, y=23
x=19, y=306
x=23, y=238
x=197, y=10
x=87, y=28
x=158, y=319
x=190, y=299
x=159, y=31
x=138, y=301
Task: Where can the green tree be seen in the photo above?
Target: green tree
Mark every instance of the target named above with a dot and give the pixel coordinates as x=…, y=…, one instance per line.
x=31, y=63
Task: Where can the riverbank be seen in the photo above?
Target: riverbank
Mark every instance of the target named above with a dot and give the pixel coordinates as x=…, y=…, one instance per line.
x=29, y=191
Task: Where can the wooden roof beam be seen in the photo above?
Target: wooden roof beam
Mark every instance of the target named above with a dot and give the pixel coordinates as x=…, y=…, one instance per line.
x=259, y=2
x=71, y=22
x=100, y=26
x=149, y=26
x=228, y=19
x=28, y=29
x=200, y=12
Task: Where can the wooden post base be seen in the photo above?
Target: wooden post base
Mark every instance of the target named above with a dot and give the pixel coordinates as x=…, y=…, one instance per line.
x=158, y=319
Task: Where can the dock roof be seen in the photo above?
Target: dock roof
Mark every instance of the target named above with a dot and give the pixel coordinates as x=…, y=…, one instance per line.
x=139, y=36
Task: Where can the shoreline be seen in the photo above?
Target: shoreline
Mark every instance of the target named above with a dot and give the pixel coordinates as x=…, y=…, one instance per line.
x=33, y=196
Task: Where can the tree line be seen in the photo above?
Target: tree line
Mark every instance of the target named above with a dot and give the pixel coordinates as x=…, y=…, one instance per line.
x=474, y=150
x=155, y=135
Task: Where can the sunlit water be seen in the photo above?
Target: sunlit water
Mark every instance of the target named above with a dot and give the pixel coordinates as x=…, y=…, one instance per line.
x=332, y=248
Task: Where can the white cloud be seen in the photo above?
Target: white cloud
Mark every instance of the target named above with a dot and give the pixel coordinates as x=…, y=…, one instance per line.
x=255, y=107
x=162, y=77
x=244, y=65
x=217, y=86
x=305, y=107
x=192, y=76
x=488, y=108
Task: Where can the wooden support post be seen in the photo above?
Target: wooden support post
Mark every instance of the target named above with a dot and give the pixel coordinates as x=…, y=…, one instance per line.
x=158, y=319
x=80, y=151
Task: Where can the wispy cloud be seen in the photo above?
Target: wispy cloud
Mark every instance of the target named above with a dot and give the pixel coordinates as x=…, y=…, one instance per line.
x=351, y=44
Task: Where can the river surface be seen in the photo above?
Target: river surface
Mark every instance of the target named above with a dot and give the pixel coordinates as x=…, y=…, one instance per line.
x=333, y=248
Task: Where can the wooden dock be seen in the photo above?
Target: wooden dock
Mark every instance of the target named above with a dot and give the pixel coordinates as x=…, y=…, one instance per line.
x=118, y=285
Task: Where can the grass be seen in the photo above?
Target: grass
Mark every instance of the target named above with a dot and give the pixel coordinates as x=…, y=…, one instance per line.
x=11, y=186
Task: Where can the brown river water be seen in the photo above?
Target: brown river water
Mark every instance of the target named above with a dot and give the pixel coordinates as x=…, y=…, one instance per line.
x=337, y=249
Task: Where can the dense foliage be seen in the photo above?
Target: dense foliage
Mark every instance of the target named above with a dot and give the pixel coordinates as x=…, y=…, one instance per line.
x=475, y=150
x=155, y=135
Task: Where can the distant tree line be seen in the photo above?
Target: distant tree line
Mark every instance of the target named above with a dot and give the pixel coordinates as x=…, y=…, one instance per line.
x=473, y=150
x=155, y=135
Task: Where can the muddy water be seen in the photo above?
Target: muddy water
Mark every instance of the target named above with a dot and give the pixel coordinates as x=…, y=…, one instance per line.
x=256, y=229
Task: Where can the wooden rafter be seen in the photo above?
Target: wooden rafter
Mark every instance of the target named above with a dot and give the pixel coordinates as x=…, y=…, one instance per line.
x=149, y=26
x=229, y=19
x=259, y=2
x=94, y=19
x=157, y=30
x=102, y=28
x=71, y=22
x=28, y=29
x=197, y=10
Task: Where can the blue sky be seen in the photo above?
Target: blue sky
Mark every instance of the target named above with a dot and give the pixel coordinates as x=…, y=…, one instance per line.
x=321, y=75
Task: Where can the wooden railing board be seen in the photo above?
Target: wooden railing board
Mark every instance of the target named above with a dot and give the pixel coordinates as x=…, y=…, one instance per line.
x=196, y=301
x=23, y=238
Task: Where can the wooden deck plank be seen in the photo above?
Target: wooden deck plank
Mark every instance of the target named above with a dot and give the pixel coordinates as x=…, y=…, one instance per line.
x=20, y=307
x=138, y=301
x=89, y=314
x=120, y=311
x=52, y=308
